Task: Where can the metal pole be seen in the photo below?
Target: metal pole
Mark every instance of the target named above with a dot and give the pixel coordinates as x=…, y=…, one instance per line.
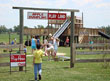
x=72, y=49
x=21, y=32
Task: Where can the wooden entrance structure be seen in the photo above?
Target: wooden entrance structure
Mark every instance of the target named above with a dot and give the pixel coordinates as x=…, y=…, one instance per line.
x=72, y=11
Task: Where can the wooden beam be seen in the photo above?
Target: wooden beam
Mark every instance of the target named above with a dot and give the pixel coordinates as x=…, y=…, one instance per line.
x=92, y=52
x=46, y=9
x=4, y=64
x=4, y=55
x=93, y=45
x=9, y=46
x=92, y=60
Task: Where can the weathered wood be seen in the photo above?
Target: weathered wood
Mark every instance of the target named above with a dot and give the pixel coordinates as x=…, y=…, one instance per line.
x=4, y=55
x=21, y=26
x=92, y=52
x=91, y=60
x=46, y=9
x=72, y=48
x=4, y=64
x=45, y=31
x=93, y=45
x=10, y=46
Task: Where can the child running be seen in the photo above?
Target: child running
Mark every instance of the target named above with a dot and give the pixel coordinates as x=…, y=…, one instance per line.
x=37, y=61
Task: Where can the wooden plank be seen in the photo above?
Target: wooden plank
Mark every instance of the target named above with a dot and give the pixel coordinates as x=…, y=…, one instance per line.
x=92, y=52
x=91, y=60
x=4, y=64
x=4, y=55
x=10, y=46
x=93, y=45
x=46, y=9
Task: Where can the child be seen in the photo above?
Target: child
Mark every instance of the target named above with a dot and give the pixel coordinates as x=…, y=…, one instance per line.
x=33, y=43
x=37, y=61
x=56, y=44
x=45, y=46
x=25, y=49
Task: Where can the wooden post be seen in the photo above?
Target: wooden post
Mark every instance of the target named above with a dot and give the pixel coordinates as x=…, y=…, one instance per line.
x=9, y=38
x=72, y=49
x=27, y=40
x=21, y=26
x=21, y=32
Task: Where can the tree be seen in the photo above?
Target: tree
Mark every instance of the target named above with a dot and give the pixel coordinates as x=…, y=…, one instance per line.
x=106, y=28
x=3, y=28
x=10, y=30
x=25, y=26
x=49, y=26
x=40, y=26
x=17, y=28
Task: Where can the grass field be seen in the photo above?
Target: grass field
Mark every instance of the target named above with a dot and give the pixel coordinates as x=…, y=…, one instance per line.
x=59, y=71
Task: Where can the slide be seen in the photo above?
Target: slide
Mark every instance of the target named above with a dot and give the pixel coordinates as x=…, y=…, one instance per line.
x=104, y=35
x=61, y=29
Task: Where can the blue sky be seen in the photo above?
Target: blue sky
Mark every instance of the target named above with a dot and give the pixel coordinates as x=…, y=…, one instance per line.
x=96, y=12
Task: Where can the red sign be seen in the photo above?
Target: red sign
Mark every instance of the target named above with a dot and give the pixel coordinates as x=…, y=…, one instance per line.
x=57, y=16
x=18, y=60
x=50, y=16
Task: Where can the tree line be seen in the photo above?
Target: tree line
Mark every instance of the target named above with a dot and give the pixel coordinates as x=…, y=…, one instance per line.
x=106, y=28
x=3, y=28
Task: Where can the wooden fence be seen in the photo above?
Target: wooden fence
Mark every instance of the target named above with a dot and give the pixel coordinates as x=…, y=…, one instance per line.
x=9, y=47
x=91, y=52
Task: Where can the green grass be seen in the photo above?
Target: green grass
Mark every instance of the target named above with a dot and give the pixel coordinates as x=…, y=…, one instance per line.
x=5, y=37
x=57, y=71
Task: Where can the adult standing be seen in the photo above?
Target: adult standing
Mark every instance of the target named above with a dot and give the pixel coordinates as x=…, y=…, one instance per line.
x=33, y=43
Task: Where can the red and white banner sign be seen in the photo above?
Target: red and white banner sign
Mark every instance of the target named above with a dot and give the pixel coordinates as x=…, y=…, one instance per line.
x=50, y=16
x=18, y=60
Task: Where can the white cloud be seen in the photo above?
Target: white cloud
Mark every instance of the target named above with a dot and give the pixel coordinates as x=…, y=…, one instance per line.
x=29, y=2
x=105, y=5
x=60, y=3
x=84, y=2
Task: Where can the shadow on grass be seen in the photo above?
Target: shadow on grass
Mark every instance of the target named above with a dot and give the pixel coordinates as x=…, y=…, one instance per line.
x=67, y=67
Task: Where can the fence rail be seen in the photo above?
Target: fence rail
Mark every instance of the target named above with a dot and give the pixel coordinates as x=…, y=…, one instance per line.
x=93, y=45
x=92, y=52
x=5, y=64
x=10, y=46
x=92, y=60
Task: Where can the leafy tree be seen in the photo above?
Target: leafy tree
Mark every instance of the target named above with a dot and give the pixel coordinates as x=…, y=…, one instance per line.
x=3, y=28
x=49, y=26
x=40, y=26
x=17, y=28
x=106, y=28
x=25, y=26
x=10, y=30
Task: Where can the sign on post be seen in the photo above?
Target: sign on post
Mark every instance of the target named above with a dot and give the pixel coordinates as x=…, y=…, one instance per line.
x=49, y=16
x=18, y=60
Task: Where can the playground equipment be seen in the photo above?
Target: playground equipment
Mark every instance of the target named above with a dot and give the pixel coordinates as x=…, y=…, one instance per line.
x=61, y=29
x=72, y=11
x=103, y=35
